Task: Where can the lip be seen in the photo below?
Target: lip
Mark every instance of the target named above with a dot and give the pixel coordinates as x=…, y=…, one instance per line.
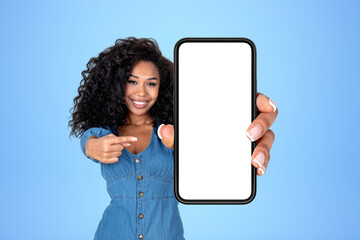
x=139, y=106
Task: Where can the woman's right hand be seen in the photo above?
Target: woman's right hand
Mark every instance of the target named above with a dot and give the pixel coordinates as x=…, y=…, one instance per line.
x=107, y=149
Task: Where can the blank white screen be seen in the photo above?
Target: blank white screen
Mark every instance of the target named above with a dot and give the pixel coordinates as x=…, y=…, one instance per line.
x=214, y=114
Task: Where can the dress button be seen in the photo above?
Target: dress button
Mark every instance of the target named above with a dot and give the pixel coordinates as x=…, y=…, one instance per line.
x=137, y=160
x=140, y=177
x=141, y=236
x=141, y=216
x=141, y=194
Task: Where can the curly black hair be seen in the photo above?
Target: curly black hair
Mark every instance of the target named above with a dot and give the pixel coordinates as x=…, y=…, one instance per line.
x=101, y=93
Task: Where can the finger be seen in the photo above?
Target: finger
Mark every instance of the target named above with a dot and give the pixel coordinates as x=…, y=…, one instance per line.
x=166, y=134
x=158, y=131
x=260, y=125
x=125, y=144
x=261, y=155
x=122, y=139
x=111, y=160
x=116, y=148
x=111, y=156
x=265, y=104
x=261, y=171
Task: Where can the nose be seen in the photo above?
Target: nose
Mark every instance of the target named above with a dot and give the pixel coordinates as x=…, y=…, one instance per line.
x=140, y=91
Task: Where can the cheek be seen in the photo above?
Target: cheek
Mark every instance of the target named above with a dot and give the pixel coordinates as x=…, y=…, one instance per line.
x=128, y=92
x=156, y=94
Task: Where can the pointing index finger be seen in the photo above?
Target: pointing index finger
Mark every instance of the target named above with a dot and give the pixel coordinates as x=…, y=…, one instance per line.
x=123, y=139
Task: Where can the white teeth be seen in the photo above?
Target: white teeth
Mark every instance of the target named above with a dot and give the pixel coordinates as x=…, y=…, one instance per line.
x=139, y=103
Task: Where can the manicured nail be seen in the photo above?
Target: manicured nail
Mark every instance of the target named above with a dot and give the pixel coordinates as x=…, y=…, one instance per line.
x=158, y=131
x=261, y=171
x=254, y=133
x=134, y=139
x=260, y=159
x=271, y=102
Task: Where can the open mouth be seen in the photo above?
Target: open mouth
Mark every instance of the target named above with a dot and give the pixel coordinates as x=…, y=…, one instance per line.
x=139, y=104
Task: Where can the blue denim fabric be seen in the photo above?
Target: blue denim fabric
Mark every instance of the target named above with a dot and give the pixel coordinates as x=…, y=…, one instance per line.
x=161, y=218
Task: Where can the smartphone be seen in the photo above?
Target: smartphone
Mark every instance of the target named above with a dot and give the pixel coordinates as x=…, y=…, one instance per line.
x=214, y=100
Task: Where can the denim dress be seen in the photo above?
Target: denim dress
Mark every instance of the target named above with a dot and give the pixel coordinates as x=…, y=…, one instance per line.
x=141, y=187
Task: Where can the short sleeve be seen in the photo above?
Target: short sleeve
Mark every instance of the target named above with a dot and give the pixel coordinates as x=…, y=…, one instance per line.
x=95, y=131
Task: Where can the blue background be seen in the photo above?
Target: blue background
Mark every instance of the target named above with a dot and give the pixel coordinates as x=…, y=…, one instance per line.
x=308, y=63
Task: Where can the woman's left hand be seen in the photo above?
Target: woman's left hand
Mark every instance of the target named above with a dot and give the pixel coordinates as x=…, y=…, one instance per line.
x=259, y=131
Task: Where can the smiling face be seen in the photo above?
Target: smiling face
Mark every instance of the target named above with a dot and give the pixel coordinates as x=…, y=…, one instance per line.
x=142, y=88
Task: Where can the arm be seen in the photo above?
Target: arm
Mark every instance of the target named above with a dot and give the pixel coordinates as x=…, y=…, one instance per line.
x=92, y=133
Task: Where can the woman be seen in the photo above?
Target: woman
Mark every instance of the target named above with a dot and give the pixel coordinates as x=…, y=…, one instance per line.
x=125, y=95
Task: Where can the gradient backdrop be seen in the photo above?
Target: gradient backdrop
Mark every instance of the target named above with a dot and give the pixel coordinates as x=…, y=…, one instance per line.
x=308, y=63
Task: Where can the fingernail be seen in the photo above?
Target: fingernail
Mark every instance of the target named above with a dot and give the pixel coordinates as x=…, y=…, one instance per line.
x=254, y=133
x=260, y=159
x=261, y=171
x=271, y=102
x=134, y=139
x=158, y=131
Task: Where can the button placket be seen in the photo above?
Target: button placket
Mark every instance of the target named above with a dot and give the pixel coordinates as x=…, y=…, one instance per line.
x=140, y=194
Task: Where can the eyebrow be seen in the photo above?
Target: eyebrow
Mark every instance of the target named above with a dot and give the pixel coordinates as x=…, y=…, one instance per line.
x=153, y=78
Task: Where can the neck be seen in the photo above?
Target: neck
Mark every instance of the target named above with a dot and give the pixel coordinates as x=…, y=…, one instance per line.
x=138, y=120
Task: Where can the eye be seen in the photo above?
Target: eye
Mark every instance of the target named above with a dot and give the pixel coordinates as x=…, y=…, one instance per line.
x=152, y=84
x=131, y=81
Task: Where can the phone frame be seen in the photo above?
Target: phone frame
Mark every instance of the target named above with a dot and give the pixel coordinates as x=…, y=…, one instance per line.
x=254, y=113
